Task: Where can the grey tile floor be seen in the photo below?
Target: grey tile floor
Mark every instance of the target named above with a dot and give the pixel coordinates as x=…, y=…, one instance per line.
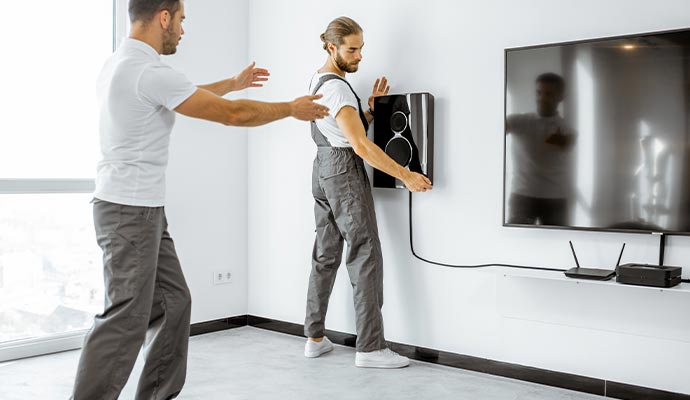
x=251, y=363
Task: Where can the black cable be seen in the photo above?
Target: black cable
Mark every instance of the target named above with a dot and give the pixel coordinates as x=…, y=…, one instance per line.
x=662, y=247
x=470, y=266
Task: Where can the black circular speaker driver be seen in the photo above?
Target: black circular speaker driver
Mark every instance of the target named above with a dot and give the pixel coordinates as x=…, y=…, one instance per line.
x=400, y=150
x=398, y=122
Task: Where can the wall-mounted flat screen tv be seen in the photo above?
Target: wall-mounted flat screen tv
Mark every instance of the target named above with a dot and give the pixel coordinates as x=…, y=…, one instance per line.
x=597, y=134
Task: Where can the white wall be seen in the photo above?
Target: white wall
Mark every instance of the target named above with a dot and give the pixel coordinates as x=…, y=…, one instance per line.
x=455, y=51
x=207, y=174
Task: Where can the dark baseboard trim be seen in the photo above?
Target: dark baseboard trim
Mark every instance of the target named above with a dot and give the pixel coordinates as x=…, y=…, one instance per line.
x=561, y=380
x=345, y=339
x=218, y=325
x=624, y=391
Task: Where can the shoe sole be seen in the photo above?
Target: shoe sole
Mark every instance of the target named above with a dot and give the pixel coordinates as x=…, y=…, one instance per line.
x=382, y=366
x=317, y=353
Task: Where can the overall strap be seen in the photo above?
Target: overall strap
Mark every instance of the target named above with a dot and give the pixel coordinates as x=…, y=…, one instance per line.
x=329, y=77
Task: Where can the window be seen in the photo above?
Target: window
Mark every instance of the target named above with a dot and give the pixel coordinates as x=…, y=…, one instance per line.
x=49, y=124
x=51, y=279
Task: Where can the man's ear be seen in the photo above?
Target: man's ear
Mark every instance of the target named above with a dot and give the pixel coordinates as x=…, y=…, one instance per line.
x=164, y=17
x=332, y=49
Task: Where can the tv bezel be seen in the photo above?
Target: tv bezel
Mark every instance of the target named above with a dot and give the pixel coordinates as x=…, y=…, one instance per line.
x=505, y=145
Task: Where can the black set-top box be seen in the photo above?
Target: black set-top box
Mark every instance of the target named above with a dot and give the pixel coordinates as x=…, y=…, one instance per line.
x=648, y=275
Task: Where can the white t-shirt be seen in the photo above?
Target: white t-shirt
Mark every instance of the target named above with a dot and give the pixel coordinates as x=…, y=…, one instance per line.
x=137, y=94
x=540, y=169
x=336, y=95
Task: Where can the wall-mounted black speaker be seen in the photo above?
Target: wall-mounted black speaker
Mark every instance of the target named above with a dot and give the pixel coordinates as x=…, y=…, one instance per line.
x=404, y=129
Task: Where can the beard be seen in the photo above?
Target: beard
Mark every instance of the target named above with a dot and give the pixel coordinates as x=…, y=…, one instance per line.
x=340, y=62
x=170, y=40
x=547, y=110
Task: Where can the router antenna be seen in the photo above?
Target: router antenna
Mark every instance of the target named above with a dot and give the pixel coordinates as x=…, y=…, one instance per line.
x=574, y=255
x=620, y=256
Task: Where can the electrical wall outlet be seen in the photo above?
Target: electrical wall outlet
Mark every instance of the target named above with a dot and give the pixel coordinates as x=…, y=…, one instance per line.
x=222, y=277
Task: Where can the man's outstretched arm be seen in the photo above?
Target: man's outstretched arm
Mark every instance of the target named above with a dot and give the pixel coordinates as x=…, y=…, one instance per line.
x=206, y=105
x=248, y=77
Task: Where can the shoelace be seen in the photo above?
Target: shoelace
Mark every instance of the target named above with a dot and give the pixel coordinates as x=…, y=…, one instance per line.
x=389, y=351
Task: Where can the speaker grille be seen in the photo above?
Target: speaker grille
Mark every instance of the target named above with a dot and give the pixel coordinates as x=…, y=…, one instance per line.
x=400, y=150
x=398, y=122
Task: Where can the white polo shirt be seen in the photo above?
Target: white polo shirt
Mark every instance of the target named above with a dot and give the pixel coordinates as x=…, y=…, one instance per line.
x=336, y=95
x=137, y=94
x=540, y=169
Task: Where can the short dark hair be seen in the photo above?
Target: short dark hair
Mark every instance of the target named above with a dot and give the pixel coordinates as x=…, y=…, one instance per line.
x=144, y=10
x=554, y=79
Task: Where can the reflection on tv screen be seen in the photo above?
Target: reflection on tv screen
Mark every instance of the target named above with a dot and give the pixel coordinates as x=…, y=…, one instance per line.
x=597, y=134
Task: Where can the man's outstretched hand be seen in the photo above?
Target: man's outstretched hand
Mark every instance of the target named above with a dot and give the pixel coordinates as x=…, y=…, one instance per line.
x=251, y=77
x=305, y=109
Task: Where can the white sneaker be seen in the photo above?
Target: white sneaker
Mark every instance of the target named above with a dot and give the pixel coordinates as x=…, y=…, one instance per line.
x=314, y=349
x=385, y=358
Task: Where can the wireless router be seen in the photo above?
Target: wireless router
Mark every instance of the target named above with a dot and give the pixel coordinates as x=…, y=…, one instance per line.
x=591, y=273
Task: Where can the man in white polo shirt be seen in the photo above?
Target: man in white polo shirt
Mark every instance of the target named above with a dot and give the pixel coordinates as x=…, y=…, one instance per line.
x=542, y=150
x=147, y=300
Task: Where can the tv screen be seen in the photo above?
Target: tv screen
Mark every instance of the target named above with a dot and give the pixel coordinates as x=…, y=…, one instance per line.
x=597, y=134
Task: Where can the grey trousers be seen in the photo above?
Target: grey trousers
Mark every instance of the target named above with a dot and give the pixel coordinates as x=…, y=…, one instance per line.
x=344, y=211
x=147, y=302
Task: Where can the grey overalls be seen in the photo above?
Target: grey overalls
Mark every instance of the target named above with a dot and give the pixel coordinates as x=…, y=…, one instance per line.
x=344, y=211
